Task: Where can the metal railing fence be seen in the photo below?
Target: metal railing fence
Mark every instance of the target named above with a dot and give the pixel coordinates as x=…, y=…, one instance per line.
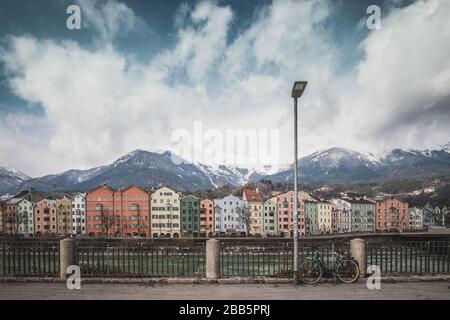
x=238, y=257
x=410, y=257
x=259, y=258
x=141, y=258
x=29, y=258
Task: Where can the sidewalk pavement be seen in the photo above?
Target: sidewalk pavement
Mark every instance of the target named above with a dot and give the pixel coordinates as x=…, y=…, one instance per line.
x=58, y=290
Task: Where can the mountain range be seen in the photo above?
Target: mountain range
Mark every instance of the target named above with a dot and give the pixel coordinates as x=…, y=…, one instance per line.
x=152, y=170
x=339, y=165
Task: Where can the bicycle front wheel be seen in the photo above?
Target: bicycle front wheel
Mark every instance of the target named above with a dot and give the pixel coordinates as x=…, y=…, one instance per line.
x=347, y=271
x=310, y=272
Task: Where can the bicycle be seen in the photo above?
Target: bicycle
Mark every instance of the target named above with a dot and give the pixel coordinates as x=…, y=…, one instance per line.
x=346, y=269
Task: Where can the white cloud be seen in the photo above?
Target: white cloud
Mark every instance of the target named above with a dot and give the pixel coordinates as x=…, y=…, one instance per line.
x=109, y=18
x=100, y=103
x=201, y=41
x=405, y=77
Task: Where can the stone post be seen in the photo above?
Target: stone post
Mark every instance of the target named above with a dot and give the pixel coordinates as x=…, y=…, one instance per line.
x=67, y=256
x=213, y=259
x=358, y=251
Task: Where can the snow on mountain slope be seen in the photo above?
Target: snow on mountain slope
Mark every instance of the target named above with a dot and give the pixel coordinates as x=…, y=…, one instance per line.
x=10, y=178
x=155, y=169
x=339, y=165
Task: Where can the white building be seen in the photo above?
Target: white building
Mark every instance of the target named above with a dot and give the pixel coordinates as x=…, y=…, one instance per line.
x=415, y=218
x=428, y=216
x=79, y=214
x=345, y=215
x=25, y=217
x=231, y=216
x=445, y=216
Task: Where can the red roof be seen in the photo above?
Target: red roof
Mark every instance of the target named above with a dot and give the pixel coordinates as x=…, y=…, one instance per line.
x=252, y=196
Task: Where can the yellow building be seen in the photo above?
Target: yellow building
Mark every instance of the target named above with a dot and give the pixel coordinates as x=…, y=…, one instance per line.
x=64, y=215
x=165, y=204
x=255, y=211
x=324, y=216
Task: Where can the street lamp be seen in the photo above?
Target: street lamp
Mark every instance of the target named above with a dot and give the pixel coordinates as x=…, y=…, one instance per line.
x=297, y=91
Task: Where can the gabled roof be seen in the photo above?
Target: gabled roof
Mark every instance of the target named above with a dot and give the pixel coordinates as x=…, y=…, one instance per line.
x=428, y=206
x=81, y=194
x=13, y=201
x=23, y=199
x=133, y=186
x=390, y=198
x=47, y=200
x=190, y=196
x=31, y=195
x=273, y=199
x=164, y=187
x=307, y=197
x=228, y=198
x=359, y=201
x=252, y=196
x=99, y=187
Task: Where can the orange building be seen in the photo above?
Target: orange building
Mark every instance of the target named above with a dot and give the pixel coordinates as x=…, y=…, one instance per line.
x=135, y=211
x=100, y=212
x=206, y=218
x=118, y=213
x=392, y=215
x=45, y=218
x=285, y=211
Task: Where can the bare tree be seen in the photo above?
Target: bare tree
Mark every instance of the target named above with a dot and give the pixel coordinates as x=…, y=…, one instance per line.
x=245, y=217
x=107, y=221
x=20, y=217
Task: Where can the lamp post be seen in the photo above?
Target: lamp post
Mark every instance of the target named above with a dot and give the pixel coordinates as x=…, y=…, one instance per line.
x=297, y=91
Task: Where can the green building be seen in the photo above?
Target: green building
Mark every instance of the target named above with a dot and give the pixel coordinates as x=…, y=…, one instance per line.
x=270, y=218
x=311, y=215
x=190, y=216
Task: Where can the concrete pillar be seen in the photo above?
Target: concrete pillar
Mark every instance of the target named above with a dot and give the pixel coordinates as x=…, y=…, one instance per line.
x=358, y=251
x=213, y=259
x=67, y=256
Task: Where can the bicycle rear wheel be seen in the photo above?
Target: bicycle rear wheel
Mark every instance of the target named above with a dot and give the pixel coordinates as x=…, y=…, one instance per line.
x=310, y=272
x=347, y=271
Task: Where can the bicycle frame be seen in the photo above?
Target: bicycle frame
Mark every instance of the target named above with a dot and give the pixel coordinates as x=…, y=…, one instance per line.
x=327, y=270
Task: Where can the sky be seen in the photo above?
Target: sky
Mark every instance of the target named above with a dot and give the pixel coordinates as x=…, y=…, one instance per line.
x=138, y=71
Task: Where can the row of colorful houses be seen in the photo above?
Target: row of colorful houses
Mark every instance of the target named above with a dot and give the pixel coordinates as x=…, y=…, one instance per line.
x=23, y=216
x=137, y=212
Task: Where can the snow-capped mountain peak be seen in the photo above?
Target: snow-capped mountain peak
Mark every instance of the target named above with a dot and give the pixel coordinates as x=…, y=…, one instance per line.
x=10, y=177
x=155, y=169
x=336, y=157
x=7, y=171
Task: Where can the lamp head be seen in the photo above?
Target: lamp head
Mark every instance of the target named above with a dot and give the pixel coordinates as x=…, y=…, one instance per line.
x=299, y=87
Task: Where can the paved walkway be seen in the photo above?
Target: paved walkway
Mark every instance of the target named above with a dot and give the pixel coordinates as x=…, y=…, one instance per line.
x=405, y=290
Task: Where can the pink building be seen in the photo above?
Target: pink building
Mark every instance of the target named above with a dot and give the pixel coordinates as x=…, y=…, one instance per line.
x=285, y=211
x=45, y=218
x=206, y=218
x=392, y=215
